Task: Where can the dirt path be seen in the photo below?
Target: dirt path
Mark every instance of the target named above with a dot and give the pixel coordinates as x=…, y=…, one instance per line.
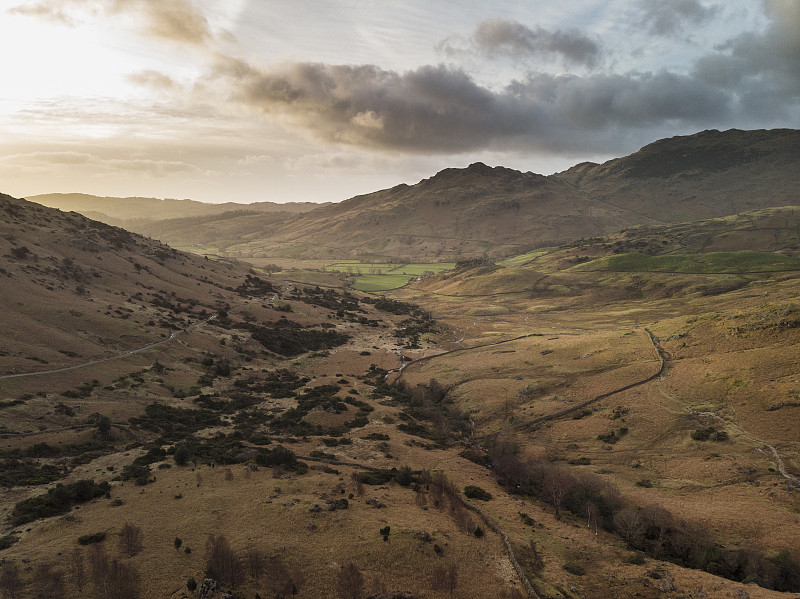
x=126, y=354
x=662, y=366
x=793, y=480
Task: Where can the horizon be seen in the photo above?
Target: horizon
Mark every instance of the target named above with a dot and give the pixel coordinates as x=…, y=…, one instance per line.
x=260, y=102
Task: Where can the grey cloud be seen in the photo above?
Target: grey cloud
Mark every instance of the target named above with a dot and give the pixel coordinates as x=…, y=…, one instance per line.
x=669, y=17
x=505, y=37
x=761, y=69
x=440, y=109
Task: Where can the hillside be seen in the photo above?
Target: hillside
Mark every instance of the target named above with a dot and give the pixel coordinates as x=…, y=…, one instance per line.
x=709, y=174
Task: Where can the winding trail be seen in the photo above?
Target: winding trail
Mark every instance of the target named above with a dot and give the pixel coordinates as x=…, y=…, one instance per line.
x=660, y=354
x=126, y=354
x=459, y=349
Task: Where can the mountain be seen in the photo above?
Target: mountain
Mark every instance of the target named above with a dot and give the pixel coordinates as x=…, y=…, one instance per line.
x=456, y=213
x=498, y=211
x=134, y=212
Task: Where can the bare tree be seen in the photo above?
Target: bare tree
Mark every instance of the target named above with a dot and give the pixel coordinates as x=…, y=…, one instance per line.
x=452, y=578
x=594, y=519
x=630, y=525
x=98, y=569
x=130, y=539
x=280, y=582
x=256, y=562
x=77, y=568
x=445, y=578
x=49, y=583
x=11, y=583
x=359, y=485
x=556, y=486
x=222, y=563
x=111, y=578
x=350, y=582
x=123, y=581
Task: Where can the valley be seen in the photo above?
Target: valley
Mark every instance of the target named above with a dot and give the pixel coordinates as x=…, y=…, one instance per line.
x=611, y=410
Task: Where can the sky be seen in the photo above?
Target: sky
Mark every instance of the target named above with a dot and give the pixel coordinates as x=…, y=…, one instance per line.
x=321, y=100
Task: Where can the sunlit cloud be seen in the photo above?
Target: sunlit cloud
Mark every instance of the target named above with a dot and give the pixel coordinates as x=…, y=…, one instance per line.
x=177, y=20
x=45, y=161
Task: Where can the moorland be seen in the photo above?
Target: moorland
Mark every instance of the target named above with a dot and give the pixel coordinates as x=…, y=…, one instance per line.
x=610, y=410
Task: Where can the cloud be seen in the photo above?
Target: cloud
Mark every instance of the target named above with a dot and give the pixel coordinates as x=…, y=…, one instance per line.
x=761, y=69
x=176, y=20
x=437, y=109
x=153, y=80
x=46, y=161
x=47, y=11
x=505, y=37
x=670, y=17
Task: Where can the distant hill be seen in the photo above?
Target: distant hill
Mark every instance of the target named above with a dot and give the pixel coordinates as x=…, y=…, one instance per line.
x=134, y=212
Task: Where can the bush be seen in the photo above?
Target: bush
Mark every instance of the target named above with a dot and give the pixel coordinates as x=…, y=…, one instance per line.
x=57, y=500
x=474, y=492
x=574, y=568
x=191, y=584
x=7, y=541
x=96, y=537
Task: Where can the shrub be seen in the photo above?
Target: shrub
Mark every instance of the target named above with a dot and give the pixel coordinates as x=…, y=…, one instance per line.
x=57, y=500
x=95, y=537
x=7, y=541
x=574, y=568
x=191, y=584
x=474, y=492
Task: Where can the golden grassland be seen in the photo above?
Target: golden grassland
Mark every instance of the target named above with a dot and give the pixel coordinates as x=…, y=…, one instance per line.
x=517, y=342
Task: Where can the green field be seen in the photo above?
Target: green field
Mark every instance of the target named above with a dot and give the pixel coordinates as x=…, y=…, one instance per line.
x=713, y=262
x=525, y=258
x=384, y=276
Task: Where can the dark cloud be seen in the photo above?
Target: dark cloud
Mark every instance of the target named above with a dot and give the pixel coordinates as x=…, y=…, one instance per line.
x=671, y=17
x=761, y=69
x=440, y=109
x=505, y=37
